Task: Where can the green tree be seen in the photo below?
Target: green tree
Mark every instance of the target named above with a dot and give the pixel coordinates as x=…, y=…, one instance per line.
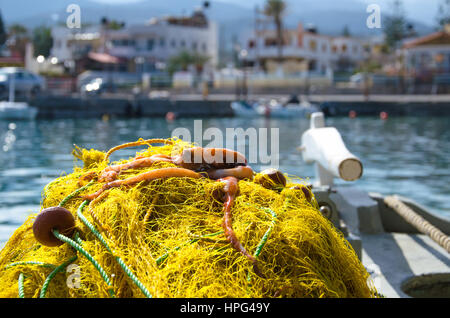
x=443, y=16
x=42, y=41
x=111, y=24
x=346, y=31
x=3, y=35
x=18, y=34
x=395, y=26
x=275, y=9
x=184, y=59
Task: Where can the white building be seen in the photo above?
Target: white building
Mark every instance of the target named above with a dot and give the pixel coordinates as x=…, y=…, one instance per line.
x=304, y=50
x=161, y=39
x=71, y=44
x=429, y=55
x=143, y=47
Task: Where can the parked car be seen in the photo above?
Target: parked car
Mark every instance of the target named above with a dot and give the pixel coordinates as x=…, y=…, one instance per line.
x=25, y=82
x=97, y=86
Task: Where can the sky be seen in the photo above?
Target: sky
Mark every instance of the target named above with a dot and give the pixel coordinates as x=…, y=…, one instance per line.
x=420, y=10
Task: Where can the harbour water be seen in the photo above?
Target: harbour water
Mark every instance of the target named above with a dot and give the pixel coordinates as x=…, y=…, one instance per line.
x=409, y=156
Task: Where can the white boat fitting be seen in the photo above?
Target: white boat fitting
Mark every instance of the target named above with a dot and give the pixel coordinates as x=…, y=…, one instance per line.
x=407, y=256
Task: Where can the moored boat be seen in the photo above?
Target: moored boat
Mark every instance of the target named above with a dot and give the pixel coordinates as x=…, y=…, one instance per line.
x=17, y=111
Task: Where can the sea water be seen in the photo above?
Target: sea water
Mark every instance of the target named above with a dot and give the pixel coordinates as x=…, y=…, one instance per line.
x=409, y=156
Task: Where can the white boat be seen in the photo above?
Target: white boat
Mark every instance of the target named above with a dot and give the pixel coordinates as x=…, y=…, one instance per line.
x=274, y=109
x=293, y=108
x=17, y=111
x=287, y=111
x=244, y=109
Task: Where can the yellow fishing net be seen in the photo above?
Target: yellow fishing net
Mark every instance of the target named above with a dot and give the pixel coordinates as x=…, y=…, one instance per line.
x=164, y=238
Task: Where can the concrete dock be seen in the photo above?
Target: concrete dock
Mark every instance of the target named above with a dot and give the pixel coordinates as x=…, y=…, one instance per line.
x=218, y=105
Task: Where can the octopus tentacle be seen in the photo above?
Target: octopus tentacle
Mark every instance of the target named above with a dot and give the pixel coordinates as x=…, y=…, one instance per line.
x=110, y=173
x=146, y=176
x=231, y=188
x=197, y=159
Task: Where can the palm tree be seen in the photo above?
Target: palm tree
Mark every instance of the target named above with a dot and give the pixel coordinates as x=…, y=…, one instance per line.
x=275, y=9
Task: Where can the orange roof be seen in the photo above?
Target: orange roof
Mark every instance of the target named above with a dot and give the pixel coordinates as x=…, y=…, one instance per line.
x=440, y=37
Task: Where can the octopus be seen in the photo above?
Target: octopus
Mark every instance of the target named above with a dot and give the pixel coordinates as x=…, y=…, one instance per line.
x=223, y=165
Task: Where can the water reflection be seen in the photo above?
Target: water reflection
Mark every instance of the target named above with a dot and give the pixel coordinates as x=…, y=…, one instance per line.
x=407, y=156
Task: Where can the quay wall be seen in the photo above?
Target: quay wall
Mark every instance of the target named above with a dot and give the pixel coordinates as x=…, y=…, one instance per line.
x=131, y=106
x=74, y=107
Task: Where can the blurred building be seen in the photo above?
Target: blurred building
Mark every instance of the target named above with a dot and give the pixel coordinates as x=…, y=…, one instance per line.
x=304, y=49
x=428, y=56
x=137, y=48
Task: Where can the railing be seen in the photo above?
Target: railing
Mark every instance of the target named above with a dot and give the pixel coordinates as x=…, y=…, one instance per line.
x=61, y=85
x=257, y=83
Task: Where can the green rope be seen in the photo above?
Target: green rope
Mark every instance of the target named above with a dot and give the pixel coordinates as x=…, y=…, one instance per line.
x=265, y=237
x=53, y=274
x=90, y=226
x=70, y=196
x=80, y=249
x=30, y=263
x=263, y=241
x=21, y=291
x=118, y=259
x=163, y=257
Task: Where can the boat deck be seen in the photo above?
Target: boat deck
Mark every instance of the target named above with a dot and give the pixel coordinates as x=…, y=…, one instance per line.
x=400, y=256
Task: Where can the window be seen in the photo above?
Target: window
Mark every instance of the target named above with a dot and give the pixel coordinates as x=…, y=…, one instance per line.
x=150, y=44
x=183, y=43
x=162, y=42
x=344, y=48
x=204, y=47
x=312, y=45
x=173, y=43
x=324, y=48
x=194, y=46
